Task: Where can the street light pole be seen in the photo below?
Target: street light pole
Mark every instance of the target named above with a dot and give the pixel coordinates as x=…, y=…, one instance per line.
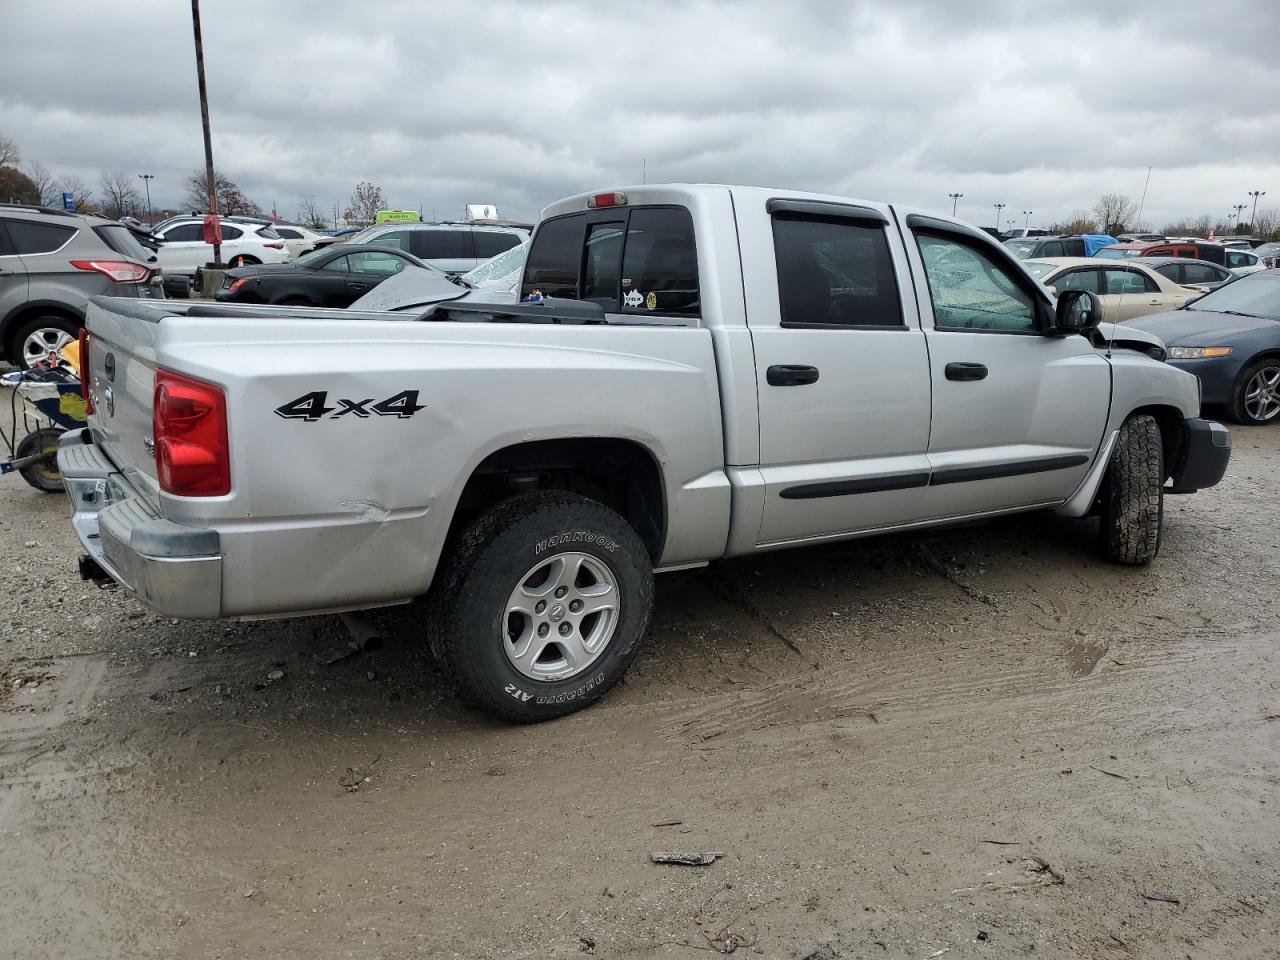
x=1238, y=207
x=204, y=120
x=955, y=197
x=146, y=178
x=1254, y=219
x=1027, y=214
x=998, y=206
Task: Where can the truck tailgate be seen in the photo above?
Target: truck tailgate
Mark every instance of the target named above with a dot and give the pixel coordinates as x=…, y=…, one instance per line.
x=122, y=363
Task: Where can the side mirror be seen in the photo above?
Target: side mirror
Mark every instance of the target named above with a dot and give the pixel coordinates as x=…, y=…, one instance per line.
x=1078, y=311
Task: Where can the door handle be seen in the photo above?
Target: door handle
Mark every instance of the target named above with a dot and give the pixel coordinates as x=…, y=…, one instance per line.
x=790, y=375
x=1155, y=303
x=355, y=285
x=966, y=371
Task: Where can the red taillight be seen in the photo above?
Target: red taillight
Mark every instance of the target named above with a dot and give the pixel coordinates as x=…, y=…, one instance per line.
x=237, y=284
x=84, y=370
x=274, y=246
x=189, y=424
x=614, y=199
x=120, y=271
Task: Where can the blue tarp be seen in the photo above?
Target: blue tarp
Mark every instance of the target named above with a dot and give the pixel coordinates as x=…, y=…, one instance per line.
x=1093, y=242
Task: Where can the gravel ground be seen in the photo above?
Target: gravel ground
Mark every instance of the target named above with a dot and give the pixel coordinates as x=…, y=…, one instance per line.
x=980, y=742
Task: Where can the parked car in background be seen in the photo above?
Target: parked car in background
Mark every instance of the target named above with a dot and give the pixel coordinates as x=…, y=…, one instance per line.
x=183, y=250
x=1230, y=339
x=1038, y=248
x=454, y=248
x=1192, y=249
x=1125, y=290
x=299, y=240
x=51, y=263
x=1269, y=254
x=1021, y=233
x=332, y=277
x=1242, y=262
x=1198, y=274
x=1141, y=238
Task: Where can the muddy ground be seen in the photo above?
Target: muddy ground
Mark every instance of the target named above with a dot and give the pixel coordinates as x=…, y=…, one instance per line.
x=980, y=742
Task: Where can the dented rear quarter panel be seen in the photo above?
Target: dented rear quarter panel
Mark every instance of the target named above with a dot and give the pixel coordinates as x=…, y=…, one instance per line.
x=350, y=510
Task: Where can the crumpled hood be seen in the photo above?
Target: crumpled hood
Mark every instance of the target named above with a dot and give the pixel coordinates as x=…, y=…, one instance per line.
x=410, y=288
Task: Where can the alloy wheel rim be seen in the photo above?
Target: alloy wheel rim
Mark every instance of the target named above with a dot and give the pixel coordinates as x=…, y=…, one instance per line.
x=40, y=343
x=1262, y=395
x=561, y=616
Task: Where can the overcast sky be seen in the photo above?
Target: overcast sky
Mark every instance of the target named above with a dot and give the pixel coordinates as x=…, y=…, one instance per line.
x=1043, y=106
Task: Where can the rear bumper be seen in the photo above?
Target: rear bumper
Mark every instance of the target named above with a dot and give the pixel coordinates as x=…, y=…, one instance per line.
x=1203, y=459
x=176, y=569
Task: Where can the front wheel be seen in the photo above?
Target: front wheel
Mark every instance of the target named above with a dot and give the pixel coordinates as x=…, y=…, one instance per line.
x=541, y=605
x=1257, y=395
x=1133, y=494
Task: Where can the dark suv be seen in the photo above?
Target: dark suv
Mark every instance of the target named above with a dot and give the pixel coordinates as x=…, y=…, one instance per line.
x=1034, y=248
x=51, y=263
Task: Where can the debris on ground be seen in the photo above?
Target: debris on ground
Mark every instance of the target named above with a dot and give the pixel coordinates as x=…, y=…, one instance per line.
x=586, y=945
x=275, y=675
x=1161, y=897
x=1045, y=868
x=983, y=936
x=668, y=823
x=685, y=859
x=726, y=941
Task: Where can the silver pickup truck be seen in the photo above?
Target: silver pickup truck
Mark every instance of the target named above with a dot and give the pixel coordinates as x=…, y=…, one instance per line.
x=694, y=372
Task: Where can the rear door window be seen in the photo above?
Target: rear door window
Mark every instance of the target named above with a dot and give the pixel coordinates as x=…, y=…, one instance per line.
x=443, y=244
x=1196, y=273
x=29, y=237
x=231, y=233
x=395, y=238
x=1235, y=259
x=834, y=273
x=1053, y=248
x=555, y=257
x=490, y=243
x=184, y=233
x=1128, y=281
x=1074, y=248
x=660, y=264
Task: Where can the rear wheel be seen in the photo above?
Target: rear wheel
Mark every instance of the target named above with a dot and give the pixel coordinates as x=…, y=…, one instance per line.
x=541, y=605
x=1133, y=494
x=240, y=260
x=37, y=338
x=43, y=474
x=1257, y=396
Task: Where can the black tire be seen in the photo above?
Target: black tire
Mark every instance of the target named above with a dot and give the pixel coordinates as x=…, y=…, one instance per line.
x=1268, y=368
x=240, y=260
x=51, y=322
x=468, y=619
x=1133, y=494
x=44, y=476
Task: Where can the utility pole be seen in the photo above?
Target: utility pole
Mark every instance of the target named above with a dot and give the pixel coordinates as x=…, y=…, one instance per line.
x=146, y=178
x=955, y=197
x=1255, y=194
x=998, y=206
x=1027, y=213
x=204, y=120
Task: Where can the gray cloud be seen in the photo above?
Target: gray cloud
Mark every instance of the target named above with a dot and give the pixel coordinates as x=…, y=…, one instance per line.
x=1041, y=106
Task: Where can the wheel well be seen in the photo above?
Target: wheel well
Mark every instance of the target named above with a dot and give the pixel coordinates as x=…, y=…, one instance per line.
x=1169, y=419
x=620, y=474
x=32, y=312
x=245, y=258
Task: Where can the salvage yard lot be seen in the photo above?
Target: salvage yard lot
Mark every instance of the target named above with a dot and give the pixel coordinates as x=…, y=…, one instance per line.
x=982, y=741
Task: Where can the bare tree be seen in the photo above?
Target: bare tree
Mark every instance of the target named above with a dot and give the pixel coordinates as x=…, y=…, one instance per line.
x=1115, y=212
x=44, y=183
x=231, y=201
x=1080, y=222
x=1266, y=225
x=365, y=203
x=119, y=196
x=10, y=155
x=81, y=195
x=309, y=212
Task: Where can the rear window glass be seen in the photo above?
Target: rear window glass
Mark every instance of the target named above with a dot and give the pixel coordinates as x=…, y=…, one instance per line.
x=184, y=232
x=231, y=233
x=443, y=244
x=123, y=242
x=602, y=268
x=660, y=264
x=490, y=243
x=30, y=238
x=554, y=258
x=283, y=232
x=269, y=233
